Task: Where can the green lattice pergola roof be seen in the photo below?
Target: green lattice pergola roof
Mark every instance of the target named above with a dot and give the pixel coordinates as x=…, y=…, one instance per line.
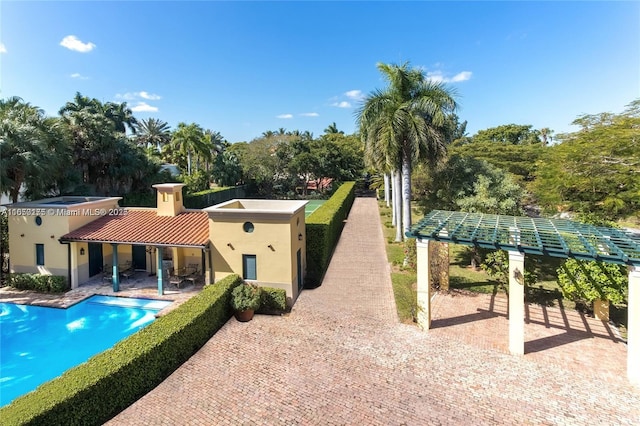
x=551, y=237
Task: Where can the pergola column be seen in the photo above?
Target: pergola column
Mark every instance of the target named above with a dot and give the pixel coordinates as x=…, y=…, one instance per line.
x=633, y=327
x=159, y=272
x=516, y=303
x=424, y=284
x=115, y=272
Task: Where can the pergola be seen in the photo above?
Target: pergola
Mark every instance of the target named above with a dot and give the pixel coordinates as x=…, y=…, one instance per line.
x=524, y=235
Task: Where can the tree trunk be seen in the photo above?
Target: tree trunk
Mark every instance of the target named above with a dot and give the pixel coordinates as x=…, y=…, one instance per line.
x=397, y=202
x=189, y=163
x=406, y=193
x=386, y=189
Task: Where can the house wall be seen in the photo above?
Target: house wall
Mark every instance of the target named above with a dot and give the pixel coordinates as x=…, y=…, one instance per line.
x=275, y=267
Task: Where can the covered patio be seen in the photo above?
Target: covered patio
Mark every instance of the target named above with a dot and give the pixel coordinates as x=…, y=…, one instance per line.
x=520, y=236
x=116, y=249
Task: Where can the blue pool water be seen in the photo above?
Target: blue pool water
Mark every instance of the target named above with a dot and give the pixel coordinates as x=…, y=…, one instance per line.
x=38, y=344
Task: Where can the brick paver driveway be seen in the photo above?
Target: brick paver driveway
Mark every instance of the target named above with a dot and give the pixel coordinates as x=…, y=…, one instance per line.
x=341, y=357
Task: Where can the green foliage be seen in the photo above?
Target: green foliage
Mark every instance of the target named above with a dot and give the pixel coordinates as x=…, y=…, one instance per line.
x=4, y=243
x=209, y=197
x=323, y=228
x=196, y=181
x=97, y=390
x=246, y=297
x=586, y=281
x=410, y=254
x=496, y=265
x=274, y=300
x=512, y=134
x=39, y=283
x=594, y=169
x=405, y=295
x=227, y=170
x=519, y=160
x=467, y=184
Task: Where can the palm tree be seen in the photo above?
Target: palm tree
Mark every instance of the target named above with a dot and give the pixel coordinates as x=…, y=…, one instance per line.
x=189, y=139
x=405, y=122
x=215, y=145
x=153, y=132
x=333, y=129
x=81, y=103
x=121, y=115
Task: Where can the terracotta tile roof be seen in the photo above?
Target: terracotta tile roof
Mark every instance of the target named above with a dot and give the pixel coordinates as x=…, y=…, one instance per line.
x=190, y=228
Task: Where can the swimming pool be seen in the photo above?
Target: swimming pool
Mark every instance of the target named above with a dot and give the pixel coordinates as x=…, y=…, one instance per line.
x=38, y=344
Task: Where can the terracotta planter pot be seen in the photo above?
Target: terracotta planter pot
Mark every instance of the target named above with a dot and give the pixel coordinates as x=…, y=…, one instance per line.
x=244, y=316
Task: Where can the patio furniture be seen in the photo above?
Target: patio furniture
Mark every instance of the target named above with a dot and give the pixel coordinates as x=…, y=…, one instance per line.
x=194, y=274
x=107, y=273
x=178, y=278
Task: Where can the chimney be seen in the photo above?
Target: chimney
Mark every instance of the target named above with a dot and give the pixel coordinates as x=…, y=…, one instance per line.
x=169, y=199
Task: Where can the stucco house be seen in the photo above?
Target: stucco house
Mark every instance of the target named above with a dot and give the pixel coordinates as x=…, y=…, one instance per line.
x=80, y=237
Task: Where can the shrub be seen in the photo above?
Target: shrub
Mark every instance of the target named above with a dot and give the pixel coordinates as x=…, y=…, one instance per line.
x=97, y=390
x=274, y=301
x=246, y=297
x=209, y=197
x=323, y=228
x=39, y=283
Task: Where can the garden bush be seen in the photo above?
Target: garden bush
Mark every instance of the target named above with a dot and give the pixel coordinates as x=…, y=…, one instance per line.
x=97, y=390
x=274, y=301
x=40, y=283
x=323, y=228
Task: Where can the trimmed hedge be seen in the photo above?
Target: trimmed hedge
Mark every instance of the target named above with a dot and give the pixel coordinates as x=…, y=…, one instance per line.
x=323, y=228
x=203, y=199
x=273, y=301
x=38, y=282
x=109, y=382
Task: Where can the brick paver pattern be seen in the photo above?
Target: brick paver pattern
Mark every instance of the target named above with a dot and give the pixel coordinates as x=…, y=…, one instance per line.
x=342, y=357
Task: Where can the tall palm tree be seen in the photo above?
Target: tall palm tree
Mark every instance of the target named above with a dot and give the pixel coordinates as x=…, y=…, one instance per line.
x=215, y=145
x=153, y=132
x=189, y=139
x=121, y=115
x=407, y=122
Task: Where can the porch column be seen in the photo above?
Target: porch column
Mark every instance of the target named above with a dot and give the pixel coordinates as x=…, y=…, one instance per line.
x=159, y=272
x=516, y=303
x=208, y=276
x=115, y=273
x=424, y=284
x=633, y=327
x=73, y=250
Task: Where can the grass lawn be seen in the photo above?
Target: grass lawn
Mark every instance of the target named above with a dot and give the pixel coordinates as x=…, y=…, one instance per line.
x=462, y=277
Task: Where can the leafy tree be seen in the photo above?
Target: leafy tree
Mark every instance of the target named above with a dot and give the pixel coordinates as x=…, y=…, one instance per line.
x=513, y=134
x=596, y=169
x=33, y=151
x=153, y=133
x=406, y=121
x=227, y=170
x=587, y=281
x=189, y=139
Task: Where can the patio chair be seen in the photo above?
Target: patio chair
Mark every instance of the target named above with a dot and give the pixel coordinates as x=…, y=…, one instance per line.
x=175, y=280
x=107, y=273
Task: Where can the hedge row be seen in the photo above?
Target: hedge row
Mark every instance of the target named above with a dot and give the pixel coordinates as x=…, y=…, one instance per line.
x=273, y=301
x=203, y=199
x=38, y=282
x=97, y=390
x=323, y=229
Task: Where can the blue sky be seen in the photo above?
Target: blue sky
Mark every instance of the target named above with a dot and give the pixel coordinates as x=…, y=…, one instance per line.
x=242, y=68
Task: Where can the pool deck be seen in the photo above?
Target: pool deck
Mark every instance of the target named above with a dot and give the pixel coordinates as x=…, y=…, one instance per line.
x=140, y=286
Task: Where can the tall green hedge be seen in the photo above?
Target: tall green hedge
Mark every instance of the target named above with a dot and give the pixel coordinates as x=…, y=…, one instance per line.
x=97, y=390
x=323, y=229
x=39, y=282
x=203, y=199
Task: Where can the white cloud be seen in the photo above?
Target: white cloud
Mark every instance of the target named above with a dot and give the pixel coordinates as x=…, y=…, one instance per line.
x=354, y=94
x=149, y=96
x=439, y=77
x=310, y=114
x=461, y=76
x=3, y=49
x=144, y=107
x=78, y=76
x=72, y=42
x=284, y=116
x=343, y=104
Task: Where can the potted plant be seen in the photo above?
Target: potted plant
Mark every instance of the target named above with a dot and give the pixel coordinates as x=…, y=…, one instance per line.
x=245, y=299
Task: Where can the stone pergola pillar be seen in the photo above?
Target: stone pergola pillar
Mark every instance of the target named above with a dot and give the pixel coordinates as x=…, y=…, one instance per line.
x=115, y=273
x=424, y=284
x=160, y=271
x=516, y=303
x=633, y=327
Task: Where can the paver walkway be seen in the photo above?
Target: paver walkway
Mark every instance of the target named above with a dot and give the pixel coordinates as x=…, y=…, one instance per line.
x=342, y=357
